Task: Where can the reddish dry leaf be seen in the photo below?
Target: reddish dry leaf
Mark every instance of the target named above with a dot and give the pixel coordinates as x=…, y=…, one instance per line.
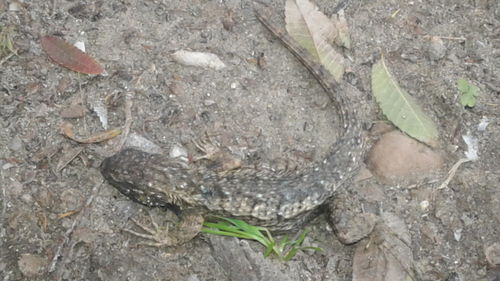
x=69, y=56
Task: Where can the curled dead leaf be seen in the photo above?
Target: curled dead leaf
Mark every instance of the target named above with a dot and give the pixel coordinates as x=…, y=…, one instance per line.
x=67, y=131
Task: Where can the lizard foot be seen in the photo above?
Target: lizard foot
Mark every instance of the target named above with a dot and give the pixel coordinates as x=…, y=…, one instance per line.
x=210, y=150
x=189, y=226
x=221, y=161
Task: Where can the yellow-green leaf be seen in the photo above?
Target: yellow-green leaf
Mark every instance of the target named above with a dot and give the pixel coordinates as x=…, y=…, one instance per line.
x=401, y=108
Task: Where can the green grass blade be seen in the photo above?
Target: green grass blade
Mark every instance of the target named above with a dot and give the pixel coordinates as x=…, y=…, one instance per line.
x=236, y=228
x=269, y=250
x=290, y=254
x=240, y=229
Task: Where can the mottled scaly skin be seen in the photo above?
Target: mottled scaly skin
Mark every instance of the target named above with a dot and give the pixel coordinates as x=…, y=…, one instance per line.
x=258, y=197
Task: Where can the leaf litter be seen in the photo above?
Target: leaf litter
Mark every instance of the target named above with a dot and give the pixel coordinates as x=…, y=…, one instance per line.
x=315, y=32
x=387, y=255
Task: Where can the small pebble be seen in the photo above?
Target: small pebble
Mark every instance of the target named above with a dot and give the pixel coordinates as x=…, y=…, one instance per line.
x=437, y=50
x=178, y=152
x=135, y=140
x=14, y=6
x=356, y=228
x=457, y=234
x=492, y=254
x=208, y=102
x=424, y=205
x=7, y=166
x=16, y=144
x=27, y=198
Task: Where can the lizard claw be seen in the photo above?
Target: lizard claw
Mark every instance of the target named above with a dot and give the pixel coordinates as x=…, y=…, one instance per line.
x=206, y=145
x=189, y=226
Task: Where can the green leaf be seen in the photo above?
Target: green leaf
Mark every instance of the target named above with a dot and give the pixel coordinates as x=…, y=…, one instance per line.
x=269, y=250
x=468, y=92
x=462, y=85
x=401, y=108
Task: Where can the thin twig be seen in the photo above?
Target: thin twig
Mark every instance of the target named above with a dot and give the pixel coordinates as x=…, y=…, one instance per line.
x=453, y=171
x=128, y=121
x=446, y=37
x=4, y=196
x=8, y=57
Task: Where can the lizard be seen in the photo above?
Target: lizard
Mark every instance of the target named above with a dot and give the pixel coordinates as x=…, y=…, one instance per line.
x=260, y=197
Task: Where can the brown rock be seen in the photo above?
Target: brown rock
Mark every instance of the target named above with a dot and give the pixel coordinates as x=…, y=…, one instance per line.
x=397, y=157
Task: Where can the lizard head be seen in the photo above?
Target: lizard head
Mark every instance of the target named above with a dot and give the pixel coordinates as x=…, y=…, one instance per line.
x=146, y=178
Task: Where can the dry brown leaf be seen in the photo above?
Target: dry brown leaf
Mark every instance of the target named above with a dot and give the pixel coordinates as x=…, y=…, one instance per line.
x=304, y=21
x=368, y=263
x=67, y=130
x=314, y=31
x=387, y=255
x=343, y=38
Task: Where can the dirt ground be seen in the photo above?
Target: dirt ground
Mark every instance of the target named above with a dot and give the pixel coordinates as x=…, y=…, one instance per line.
x=60, y=221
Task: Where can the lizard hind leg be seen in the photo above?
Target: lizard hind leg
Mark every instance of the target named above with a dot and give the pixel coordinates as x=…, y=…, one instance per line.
x=187, y=228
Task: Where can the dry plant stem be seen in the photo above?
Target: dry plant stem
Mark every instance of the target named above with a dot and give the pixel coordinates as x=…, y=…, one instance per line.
x=128, y=121
x=70, y=159
x=452, y=172
x=446, y=37
x=4, y=205
x=7, y=57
